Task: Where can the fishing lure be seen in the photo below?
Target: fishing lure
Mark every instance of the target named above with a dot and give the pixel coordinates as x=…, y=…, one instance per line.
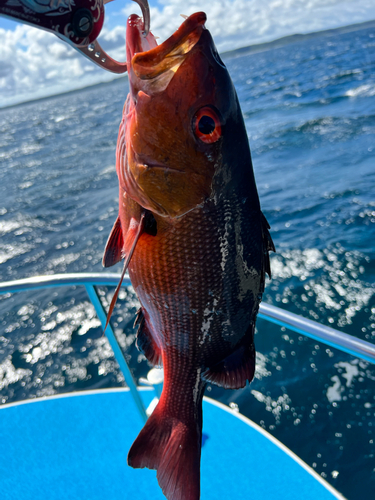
x=77, y=22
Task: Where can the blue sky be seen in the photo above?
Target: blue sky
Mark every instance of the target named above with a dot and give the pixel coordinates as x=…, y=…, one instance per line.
x=35, y=64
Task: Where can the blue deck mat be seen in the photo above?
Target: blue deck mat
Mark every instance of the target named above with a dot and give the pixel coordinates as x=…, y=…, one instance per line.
x=75, y=448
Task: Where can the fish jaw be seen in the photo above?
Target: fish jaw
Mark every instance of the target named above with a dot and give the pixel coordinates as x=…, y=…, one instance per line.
x=160, y=162
x=136, y=43
x=153, y=66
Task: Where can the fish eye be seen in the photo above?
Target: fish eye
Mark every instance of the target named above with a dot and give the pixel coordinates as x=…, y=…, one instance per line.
x=206, y=125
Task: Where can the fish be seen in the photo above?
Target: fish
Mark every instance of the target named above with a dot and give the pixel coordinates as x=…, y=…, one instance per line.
x=192, y=236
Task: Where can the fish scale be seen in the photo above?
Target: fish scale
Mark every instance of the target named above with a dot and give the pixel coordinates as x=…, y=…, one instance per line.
x=185, y=269
x=193, y=237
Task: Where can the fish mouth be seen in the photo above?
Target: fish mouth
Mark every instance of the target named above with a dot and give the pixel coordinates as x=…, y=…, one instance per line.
x=158, y=63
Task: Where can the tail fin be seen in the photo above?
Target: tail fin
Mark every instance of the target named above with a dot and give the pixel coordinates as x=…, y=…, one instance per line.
x=173, y=448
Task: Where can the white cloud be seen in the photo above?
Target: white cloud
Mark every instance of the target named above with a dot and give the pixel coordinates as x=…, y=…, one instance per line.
x=237, y=23
x=34, y=63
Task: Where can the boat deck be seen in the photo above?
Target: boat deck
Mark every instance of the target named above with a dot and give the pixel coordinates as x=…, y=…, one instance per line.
x=74, y=447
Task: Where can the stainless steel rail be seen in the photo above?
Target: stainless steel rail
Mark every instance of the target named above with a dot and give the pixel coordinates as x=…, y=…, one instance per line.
x=72, y=279
x=334, y=338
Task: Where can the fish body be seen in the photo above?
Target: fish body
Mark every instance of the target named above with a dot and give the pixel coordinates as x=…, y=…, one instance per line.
x=194, y=238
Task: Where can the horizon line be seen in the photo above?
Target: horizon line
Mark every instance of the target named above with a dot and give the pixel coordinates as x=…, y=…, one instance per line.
x=229, y=54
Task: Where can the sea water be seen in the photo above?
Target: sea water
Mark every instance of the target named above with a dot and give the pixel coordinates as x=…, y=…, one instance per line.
x=309, y=109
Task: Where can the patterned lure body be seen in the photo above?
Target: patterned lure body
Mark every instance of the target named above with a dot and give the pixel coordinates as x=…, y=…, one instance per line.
x=193, y=236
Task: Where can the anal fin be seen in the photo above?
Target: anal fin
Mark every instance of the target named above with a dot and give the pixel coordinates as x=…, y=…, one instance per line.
x=145, y=342
x=236, y=369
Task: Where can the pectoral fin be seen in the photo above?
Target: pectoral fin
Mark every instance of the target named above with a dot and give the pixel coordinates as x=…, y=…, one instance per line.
x=114, y=246
x=135, y=229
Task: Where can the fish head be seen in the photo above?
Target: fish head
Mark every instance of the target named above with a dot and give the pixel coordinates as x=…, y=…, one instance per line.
x=181, y=119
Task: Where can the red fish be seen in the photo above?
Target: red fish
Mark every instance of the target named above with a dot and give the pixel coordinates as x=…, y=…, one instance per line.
x=193, y=237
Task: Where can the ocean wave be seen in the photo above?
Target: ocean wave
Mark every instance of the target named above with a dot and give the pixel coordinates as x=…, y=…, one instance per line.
x=366, y=90
x=20, y=224
x=325, y=284
x=45, y=361
x=348, y=372
x=9, y=252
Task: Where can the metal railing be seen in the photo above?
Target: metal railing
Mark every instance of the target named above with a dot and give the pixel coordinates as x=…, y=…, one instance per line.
x=334, y=338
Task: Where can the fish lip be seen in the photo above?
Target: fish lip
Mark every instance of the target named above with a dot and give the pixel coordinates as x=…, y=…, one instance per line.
x=135, y=40
x=149, y=163
x=145, y=62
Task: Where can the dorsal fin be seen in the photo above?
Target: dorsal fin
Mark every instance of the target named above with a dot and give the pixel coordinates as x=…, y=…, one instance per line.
x=114, y=245
x=268, y=245
x=135, y=229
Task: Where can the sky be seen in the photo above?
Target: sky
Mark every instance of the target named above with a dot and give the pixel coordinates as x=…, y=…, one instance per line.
x=35, y=64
